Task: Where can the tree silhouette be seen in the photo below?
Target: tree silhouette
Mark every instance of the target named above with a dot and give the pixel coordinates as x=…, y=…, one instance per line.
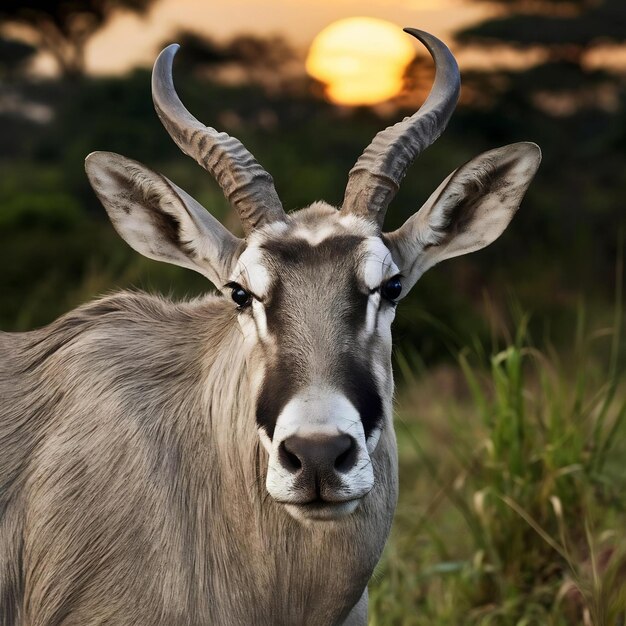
x=565, y=29
x=250, y=58
x=63, y=27
x=261, y=55
x=565, y=32
x=14, y=55
x=198, y=51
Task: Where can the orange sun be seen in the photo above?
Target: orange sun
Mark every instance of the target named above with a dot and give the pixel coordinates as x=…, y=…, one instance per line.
x=360, y=59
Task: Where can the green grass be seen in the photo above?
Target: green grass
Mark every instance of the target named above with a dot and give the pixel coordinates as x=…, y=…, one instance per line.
x=513, y=489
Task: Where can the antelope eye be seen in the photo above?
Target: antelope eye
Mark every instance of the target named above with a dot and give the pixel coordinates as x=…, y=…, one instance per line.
x=391, y=289
x=240, y=296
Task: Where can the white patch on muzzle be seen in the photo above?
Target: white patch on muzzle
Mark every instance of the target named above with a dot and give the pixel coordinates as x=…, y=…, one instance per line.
x=319, y=412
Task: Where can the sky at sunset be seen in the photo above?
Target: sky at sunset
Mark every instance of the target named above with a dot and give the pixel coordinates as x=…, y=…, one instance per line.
x=130, y=40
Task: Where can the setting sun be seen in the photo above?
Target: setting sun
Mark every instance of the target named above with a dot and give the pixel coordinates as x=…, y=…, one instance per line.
x=360, y=59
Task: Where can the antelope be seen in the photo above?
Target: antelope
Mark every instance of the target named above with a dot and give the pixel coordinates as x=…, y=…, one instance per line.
x=229, y=460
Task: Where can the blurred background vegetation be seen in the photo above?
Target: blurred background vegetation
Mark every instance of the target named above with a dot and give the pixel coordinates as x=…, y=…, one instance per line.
x=512, y=441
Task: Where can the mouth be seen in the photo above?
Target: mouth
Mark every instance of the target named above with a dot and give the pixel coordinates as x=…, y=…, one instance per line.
x=322, y=510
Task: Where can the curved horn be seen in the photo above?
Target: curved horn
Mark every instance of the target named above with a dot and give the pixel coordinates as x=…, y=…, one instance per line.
x=246, y=185
x=376, y=176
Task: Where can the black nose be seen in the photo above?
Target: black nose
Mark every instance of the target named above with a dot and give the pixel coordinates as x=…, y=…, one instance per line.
x=318, y=458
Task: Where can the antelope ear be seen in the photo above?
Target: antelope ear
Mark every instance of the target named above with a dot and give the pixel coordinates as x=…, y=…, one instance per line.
x=160, y=220
x=469, y=210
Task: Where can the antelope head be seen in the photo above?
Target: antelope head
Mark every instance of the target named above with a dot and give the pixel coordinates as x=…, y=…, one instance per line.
x=316, y=290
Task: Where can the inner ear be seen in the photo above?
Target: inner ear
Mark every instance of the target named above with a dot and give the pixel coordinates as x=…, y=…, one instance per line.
x=459, y=203
x=160, y=220
x=467, y=212
x=162, y=205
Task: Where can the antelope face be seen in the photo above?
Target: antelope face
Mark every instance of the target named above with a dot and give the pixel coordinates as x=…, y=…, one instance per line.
x=316, y=290
x=316, y=296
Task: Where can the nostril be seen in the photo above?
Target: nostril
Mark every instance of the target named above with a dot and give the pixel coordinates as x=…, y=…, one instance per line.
x=347, y=459
x=288, y=459
x=318, y=456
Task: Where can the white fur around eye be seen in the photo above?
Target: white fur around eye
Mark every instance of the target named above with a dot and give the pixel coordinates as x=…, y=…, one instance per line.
x=251, y=272
x=373, y=304
x=258, y=312
x=377, y=263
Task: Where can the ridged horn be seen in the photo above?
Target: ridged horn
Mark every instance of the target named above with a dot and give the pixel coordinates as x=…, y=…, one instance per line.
x=375, y=178
x=246, y=185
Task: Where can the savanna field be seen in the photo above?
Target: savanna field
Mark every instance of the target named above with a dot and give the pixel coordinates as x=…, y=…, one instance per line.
x=509, y=363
